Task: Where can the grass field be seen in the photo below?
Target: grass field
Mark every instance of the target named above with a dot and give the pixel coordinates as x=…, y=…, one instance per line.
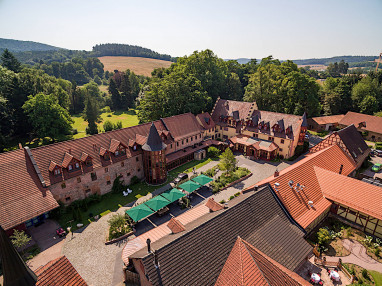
x=128, y=118
x=377, y=277
x=140, y=66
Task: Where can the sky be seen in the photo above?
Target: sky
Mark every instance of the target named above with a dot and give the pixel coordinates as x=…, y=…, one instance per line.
x=285, y=29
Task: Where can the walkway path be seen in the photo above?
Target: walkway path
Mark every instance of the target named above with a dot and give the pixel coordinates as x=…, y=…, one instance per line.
x=358, y=256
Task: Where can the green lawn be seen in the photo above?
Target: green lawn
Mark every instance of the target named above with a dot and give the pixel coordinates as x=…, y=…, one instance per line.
x=128, y=118
x=112, y=201
x=377, y=277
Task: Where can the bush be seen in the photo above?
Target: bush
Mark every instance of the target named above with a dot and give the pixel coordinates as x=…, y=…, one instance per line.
x=74, y=131
x=323, y=236
x=377, y=251
x=118, y=186
x=107, y=109
x=237, y=194
x=365, y=274
x=118, y=226
x=213, y=152
x=210, y=172
x=231, y=197
x=108, y=126
x=118, y=125
x=134, y=180
x=222, y=202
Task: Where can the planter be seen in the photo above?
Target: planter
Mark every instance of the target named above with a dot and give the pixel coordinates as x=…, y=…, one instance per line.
x=119, y=238
x=235, y=182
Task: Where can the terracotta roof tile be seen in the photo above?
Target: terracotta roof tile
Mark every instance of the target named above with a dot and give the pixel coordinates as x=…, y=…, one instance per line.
x=225, y=107
x=114, y=144
x=84, y=157
x=52, y=165
x=364, y=197
x=373, y=123
x=328, y=119
x=67, y=159
x=102, y=151
x=140, y=139
x=246, y=265
x=59, y=272
x=182, y=126
x=175, y=225
x=296, y=199
x=22, y=196
x=206, y=120
x=213, y=205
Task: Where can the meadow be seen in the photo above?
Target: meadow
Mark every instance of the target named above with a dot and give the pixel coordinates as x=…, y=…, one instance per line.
x=128, y=118
x=140, y=66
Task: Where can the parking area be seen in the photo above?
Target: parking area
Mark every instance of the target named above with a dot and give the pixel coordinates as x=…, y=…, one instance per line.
x=369, y=172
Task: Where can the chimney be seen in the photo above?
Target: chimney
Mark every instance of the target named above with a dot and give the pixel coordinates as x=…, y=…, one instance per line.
x=276, y=174
x=70, y=150
x=342, y=166
x=256, y=188
x=148, y=241
x=156, y=262
x=20, y=146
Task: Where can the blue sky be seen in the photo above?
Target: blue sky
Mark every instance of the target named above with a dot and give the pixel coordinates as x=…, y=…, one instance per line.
x=232, y=29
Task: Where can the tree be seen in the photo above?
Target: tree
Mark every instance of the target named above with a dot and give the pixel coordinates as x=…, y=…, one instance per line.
x=362, y=93
x=108, y=126
x=20, y=239
x=227, y=161
x=213, y=152
x=47, y=117
x=115, y=95
x=91, y=115
x=323, y=236
x=9, y=61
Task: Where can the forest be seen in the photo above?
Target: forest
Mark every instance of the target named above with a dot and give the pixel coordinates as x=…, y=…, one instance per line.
x=38, y=102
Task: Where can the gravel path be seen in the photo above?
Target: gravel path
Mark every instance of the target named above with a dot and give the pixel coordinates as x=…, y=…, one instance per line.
x=94, y=260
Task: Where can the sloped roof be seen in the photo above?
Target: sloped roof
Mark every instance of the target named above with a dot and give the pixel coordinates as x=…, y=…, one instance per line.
x=84, y=156
x=154, y=142
x=353, y=141
x=59, y=272
x=239, y=109
x=22, y=196
x=373, y=123
x=67, y=159
x=328, y=119
x=258, y=144
x=52, y=165
x=206, y=120
x=364, y=197
x=213, y=205
x=303, y=173
x=304, y=120
x=205, y=245
x=175, y=225
x=246, y=265
x=182, y=126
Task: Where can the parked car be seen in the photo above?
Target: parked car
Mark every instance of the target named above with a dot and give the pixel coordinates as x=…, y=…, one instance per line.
x=181, y=177
x=376, y=167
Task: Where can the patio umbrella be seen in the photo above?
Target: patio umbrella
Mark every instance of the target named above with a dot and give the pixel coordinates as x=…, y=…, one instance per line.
x=139, y=212
x=334, y=275
x=315, y=277
x=202, y=180
x=173, y=195
x=189, y=186
x=157, y=203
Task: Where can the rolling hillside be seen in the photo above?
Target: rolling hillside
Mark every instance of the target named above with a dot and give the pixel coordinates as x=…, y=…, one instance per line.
x=140, y=66
x=24, y=46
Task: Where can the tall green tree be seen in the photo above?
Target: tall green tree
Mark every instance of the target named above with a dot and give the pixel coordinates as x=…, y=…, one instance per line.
x=227, y=161
x=48, y=118
x=362, y=93
x=91, y=115
x=115, y=95
x=9, y=61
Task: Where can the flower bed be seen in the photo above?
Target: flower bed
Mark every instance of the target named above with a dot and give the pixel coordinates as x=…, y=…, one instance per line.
x=228, y=179
x=119, y=226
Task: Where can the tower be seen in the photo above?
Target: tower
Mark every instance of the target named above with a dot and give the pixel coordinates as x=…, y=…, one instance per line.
x=154, y=158
x=304, y=127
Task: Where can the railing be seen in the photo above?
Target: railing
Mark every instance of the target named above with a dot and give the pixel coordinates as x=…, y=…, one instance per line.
x=323, y=262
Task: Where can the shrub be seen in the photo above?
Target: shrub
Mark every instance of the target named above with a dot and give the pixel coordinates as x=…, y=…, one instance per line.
x=134, y=180
x=377, y=251
x=222, y=202
x=105, y=213
x=365, y=274
x=210, y=172
x=231, y=197
x=118, y=125
x=74, y=131
x=108, y=126
x=213, y=152
x=118, y=226
x=368, y=239
x=107, y=109
x=237, y=194
x=323, y=236
x=118, y=186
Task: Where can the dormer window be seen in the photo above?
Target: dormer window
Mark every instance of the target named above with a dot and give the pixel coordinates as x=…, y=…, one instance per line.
x=57, y=171
x=70, y=167
x=88, y=163
x=116, y=153
x=106, y=156
x=77, y=165
x=135, y=147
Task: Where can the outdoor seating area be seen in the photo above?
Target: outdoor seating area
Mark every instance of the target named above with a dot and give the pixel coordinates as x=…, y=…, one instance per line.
x=127, y=192
x=159, y=204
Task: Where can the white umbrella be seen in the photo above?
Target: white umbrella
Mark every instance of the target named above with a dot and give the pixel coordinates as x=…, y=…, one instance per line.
x=335, y=275
x=315, y=277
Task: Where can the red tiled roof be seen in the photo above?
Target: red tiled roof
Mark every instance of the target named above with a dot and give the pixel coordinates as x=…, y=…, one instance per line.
x=303, y=173
x=227, y=107
x=175, y=225
x=52, y=165
x=114, y=144
x=258, y=144
x=213, y=205
x=67, y=159
x=59, y=272
x=246, y=265
x=328, y=119
x=363, y=197
x=141, y=140
x=206, y=120
x=182, y=126
x=22, y=196
x=84, y=156
x=102, y=151
x=373, y=123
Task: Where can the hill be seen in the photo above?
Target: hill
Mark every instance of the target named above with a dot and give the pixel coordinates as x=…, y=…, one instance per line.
x=24, y=46
x=140, y=66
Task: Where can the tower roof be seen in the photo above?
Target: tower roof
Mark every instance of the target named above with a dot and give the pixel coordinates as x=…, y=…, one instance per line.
x=304, y=120
x=154, y=142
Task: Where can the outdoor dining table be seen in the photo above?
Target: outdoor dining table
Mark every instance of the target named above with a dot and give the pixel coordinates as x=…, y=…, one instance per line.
x=334, y=275
x=315, y=278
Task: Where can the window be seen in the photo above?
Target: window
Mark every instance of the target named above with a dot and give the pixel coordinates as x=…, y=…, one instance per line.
x=352, y=212
x=255, y=135
x=57, y=172
x=122, y=164
x=106, y=156
x=137, y=159
x=106, y=170
x=135, y=147
x=63, y=185
x=108, y=182
x=77, y=165
x=280, y=149
x=139, y=170
x=67, y=199
x=200, y=135
x=122, y=151
x=342, y=208
x=128, y=174
x=226, y=128
x=282, y=141
x=187, y=140
x=70, y=167
x=362, y=216
x=89, y=162
x=87, y=191
x=182, y=142
x=171, y=146
x=177, y=144
x=225, y=137
x=192, y=138
x=116, y=153
x=269, y=138
x=79, y=180
x=93, y=176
